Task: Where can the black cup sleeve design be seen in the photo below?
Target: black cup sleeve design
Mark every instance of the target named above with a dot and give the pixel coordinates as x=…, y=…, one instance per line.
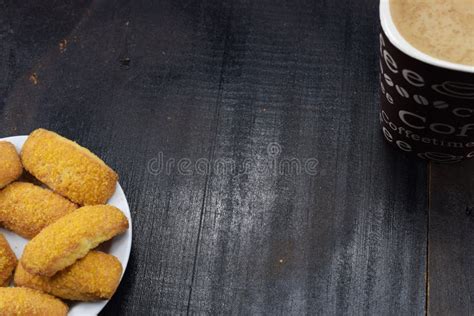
x=425, y=110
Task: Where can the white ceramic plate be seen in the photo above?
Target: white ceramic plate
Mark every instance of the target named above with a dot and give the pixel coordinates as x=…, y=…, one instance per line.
x=119, y=246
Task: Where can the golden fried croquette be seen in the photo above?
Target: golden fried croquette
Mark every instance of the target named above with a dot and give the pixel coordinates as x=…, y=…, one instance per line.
x=26, y=208
x=7, y=261
x=71, y=237
x=94, y=277
x=18, y=301
x=67, y=168
x=10, y=164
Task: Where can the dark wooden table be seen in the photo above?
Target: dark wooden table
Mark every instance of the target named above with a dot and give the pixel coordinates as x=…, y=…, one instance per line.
x=342, y=225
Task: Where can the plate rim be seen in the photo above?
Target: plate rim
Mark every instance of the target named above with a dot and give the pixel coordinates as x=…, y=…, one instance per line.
x=129, y=239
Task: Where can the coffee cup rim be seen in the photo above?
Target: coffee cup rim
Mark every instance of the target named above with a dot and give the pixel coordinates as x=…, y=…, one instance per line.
x=402, y=44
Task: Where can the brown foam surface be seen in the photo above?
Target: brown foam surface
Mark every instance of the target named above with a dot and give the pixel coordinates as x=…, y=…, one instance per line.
x=441, y=28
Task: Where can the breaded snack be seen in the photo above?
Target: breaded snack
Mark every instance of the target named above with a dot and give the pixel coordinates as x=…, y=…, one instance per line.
x=26, y=208
x=7, y=261
x=71, y=237
x=67, y=168
x=18, y=301
x=94, y=277
x=10, y=164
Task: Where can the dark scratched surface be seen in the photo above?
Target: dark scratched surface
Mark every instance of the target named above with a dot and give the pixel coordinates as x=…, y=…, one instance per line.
x=246, y=137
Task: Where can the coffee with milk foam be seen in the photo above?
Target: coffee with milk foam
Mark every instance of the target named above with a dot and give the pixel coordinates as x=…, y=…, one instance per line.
x=443, y=29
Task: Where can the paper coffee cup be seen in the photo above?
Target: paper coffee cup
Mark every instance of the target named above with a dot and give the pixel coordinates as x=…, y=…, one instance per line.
x=427, y=104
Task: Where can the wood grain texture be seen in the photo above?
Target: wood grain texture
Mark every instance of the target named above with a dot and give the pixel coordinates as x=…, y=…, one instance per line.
x=222, y=81
x=349, y=240
x=450, y=244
